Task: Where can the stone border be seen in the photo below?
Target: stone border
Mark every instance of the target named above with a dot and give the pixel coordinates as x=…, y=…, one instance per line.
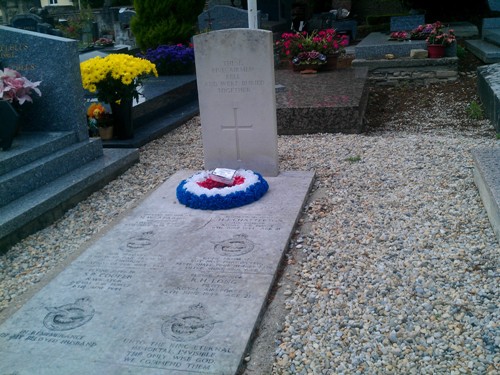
x=407, y=70
x=487, y=179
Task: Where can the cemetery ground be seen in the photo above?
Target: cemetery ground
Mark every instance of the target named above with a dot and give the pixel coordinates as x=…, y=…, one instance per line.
x=394, y=265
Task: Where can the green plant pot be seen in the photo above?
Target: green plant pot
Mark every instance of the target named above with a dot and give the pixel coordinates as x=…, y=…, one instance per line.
x=9, y=126
x=123, y=121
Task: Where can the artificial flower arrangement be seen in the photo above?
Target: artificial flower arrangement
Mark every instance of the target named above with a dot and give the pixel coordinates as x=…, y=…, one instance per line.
x=202, y=191
x=104, y=42
x=15, y=88
x=98, y=117
x=115, y=77
x=433, y=33
x=171, y=59
x=400, y=36
x=309, y=58
x=326, y=42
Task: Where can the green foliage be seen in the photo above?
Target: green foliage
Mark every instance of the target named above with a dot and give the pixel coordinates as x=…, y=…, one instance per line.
x=95, y=3
x=353, y=159
x=161, y=22
x=475, y=111
x=498, y=136
x=460, y=52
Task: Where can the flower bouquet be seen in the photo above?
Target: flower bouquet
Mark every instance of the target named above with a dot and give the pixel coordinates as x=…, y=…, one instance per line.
x=15, y=90
x=309, y=58
x=438, y=37
x=422, y=31
x=400, y=36
x=99, y=121
x=171, y=59
x=104, y=42
x=433, y=33
x=326, y=42
x=115, y=77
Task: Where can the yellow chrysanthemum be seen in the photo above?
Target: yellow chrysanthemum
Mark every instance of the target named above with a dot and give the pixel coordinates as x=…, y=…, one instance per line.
x=116, y=75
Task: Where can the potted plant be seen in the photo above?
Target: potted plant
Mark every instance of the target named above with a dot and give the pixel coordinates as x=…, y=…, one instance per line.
x=116, y=79
x=326, y=42
x=100, y=121
x=171, y=59
x=15, y=90
x=438, y=40
x=422, y=31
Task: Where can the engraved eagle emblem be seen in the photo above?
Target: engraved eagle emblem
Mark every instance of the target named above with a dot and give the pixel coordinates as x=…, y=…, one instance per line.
x=70, y=316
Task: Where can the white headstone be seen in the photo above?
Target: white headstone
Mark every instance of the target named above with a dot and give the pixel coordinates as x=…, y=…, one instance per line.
x=236, y=91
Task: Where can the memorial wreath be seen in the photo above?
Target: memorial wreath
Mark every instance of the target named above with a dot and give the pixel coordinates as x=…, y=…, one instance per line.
x=203, y=192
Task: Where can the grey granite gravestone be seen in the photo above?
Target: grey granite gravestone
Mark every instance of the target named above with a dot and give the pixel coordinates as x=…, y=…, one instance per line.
x=376, y=45
x=494, y=5
x=50, y=59
x=26, y=21
x=220, y=17
x=236, y=91
x=52, y=163
x=406, y=23
x=167, y=291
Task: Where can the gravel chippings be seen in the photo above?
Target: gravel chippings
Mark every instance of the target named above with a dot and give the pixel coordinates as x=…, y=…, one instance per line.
x=396, y=266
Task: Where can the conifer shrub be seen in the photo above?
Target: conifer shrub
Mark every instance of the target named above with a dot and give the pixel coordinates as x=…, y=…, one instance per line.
x=163, y=22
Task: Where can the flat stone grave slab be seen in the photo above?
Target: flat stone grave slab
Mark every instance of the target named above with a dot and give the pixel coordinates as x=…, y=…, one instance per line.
x=326, y=102
x=377, y=44
x=167, y=290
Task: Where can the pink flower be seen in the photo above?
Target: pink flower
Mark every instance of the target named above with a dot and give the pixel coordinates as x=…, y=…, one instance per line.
x=15, y=87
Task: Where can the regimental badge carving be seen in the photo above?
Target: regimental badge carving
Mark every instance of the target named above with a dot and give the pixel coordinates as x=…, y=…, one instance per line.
x=140, y=242
x=188, y=325
x=238, y=245
x=70, y=316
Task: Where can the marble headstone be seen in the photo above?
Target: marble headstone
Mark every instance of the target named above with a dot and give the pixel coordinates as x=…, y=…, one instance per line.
x=236, y=91
x=54, y=61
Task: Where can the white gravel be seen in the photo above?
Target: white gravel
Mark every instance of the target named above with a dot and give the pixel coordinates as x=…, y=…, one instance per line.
x=396, y=265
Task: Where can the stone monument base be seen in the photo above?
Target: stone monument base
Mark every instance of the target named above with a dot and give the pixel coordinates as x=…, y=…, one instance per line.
x=326, y=102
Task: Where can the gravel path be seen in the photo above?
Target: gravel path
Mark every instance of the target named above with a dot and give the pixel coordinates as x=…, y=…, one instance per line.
x=395, y=268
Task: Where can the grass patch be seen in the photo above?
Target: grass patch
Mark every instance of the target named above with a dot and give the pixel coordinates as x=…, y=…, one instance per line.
x=460, y=52
x=475, y=111
x=353, y=159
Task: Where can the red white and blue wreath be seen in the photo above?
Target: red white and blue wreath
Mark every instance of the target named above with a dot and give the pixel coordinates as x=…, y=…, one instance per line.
x=203, y=192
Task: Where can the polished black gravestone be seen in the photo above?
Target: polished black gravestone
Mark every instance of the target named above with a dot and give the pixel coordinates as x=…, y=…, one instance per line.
x=167, y=290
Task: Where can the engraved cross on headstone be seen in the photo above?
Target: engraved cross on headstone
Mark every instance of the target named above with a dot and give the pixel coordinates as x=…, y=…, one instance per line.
x=236, y=127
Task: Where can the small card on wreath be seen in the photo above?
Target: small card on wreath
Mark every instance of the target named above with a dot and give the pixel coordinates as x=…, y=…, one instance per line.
x=223, y=175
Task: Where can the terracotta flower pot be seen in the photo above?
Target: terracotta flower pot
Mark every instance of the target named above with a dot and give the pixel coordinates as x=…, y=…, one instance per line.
x=106, y=133
x=436, y=51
